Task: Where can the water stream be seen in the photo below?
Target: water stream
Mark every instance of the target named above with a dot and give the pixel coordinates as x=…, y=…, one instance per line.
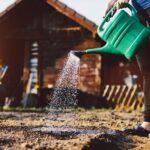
x=65, y=91
x=63, y=102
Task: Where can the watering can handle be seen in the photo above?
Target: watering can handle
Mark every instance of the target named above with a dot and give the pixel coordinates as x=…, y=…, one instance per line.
x=111, y=13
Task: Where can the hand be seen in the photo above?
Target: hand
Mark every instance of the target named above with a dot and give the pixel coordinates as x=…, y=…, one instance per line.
x=118, y=3
x=110, y=5
x=121, y=3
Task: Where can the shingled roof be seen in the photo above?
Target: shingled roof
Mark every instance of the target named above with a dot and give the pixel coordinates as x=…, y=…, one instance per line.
x=63, y=7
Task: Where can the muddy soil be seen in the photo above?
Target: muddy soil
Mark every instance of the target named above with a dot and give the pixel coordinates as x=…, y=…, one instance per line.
x=81, y=130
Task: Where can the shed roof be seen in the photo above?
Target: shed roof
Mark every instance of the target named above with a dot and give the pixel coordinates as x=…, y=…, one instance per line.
x=91, y=9
x=87, y=13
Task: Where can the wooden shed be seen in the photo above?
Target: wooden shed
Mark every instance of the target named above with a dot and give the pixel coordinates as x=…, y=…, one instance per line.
x=48, y=30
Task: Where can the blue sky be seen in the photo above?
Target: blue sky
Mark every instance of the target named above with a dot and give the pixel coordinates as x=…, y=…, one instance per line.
x=91, y=9
x=5, y=3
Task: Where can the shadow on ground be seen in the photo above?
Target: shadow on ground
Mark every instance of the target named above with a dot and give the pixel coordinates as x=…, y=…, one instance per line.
x=105, y=139
x=114, y=140
x=8, y=141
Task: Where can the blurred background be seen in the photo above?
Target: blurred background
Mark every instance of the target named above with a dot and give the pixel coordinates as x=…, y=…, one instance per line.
x=35, y=38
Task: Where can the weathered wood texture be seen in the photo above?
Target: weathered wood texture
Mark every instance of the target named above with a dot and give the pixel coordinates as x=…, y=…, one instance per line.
x=123, y=97
x=116, y=68
x=36, y=21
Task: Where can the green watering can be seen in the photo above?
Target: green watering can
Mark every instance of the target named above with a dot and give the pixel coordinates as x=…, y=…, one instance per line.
x=123, y=34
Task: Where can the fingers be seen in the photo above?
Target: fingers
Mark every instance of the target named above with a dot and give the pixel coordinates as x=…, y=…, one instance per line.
x=117, y=3
x=110, y=5
x=121, y=3
x=107, y=10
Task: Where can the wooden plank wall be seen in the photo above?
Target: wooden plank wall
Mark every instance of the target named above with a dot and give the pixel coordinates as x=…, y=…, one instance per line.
x=123, y=97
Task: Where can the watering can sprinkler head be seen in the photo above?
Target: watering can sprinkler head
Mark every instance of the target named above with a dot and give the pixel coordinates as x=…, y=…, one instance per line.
x=79, y=54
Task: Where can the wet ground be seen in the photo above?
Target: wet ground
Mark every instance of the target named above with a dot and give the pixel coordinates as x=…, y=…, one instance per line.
x=80, y=130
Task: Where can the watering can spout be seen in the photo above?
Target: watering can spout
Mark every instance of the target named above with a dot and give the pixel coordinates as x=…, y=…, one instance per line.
x=78, y=53
x=101, y=50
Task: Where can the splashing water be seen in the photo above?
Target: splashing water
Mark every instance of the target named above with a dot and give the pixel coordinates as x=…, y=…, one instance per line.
x=61, y=115
x=65, y=91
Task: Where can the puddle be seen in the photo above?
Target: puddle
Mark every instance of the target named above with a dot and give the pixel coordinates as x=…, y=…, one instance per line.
x=65, y=131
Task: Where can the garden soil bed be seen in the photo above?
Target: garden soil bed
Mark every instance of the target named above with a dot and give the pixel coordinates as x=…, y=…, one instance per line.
x=81, y=130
